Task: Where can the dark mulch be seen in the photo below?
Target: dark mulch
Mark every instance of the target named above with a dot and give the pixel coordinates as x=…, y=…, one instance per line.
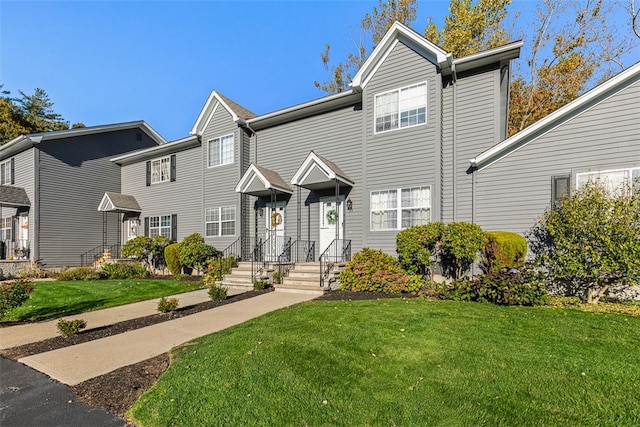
x=118, y=390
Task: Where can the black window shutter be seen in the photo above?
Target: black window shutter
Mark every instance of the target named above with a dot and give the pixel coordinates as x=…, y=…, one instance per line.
x=146, y=226
x=174, y=227
x=14, y=228
x=13, y=168
x=173, y=167
x=148, y=173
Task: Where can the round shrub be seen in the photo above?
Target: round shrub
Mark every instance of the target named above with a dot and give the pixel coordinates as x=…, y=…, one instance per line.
x=69, y=328
x=13, y=294
x=120, y=271
x=80, y=273
x=418, y=248
x=461, y=242
x=194, y=253
x=503, y=249
x=374, y=270
x=217, y=293
x=165, y=305
x=172, y=258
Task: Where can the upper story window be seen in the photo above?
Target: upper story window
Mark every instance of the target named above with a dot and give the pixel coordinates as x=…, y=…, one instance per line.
x=6, y=172
x=400, y=208
x=220, y=151
x=220, y=221
x=401, y=108
x=613, y=180
x=162, y=169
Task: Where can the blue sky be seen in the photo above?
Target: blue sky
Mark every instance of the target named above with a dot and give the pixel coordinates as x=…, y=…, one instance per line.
x=115, y=61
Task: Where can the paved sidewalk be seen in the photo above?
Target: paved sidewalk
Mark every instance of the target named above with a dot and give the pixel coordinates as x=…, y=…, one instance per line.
x=75, y=364
x=13, y=336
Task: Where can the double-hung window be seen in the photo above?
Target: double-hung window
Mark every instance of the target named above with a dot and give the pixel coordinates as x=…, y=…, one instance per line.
x=6, y=172
x=220, y=221
x=396, y=209
x=160, y=226
x=401, y=108
x=614, y=180
x=6, y=227
x=220, y=151
x=160, y=170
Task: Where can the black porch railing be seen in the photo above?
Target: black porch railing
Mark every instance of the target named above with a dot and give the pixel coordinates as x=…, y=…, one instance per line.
x=101, y=251
x=338, y=251
x=294, y=252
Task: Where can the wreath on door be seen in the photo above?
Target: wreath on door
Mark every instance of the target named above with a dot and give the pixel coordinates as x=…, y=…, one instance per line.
x=276, y=219
x=332, y=217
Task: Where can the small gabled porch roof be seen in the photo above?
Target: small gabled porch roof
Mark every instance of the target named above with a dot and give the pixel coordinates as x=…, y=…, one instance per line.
x=115, y=202
x=318, y=173
x=260, y=182
x=14, y=197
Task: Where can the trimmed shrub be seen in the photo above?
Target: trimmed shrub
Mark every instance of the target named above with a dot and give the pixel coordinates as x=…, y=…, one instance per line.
x=165, y=305
x=138, y=248
x=69, y=328
x=172, y=258
x=14, y=294
x=217, y=293
x=217, y=268
x=506, y=287
x=502, y=249
x=373, y=270
x=461, y=242
x=80, y=273
x=418, y=248
x=194, y=253
x=259, y=285
x=119, y=271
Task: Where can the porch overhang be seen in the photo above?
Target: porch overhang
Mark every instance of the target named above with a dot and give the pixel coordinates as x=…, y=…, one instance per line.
x=318, y=173
x=14, y=197
x=122, y=203
x=261, y=182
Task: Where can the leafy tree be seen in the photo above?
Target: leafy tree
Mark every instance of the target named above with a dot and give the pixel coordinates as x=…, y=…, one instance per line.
x=470, y=28
x=375, y=25
x=589, y=243
x=37, y=110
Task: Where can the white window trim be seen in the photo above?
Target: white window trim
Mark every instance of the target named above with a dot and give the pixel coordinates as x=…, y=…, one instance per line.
x=7, y=172
x=6, y=227
x=602, y=172
x=220, y=221
x=233, y=149
x=398, y=207
x=426, y=108
x=159, y=161
x=160, y=227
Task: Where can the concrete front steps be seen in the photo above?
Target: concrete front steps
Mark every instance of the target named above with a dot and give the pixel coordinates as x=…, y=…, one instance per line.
x=304, y=278
x=240, y=277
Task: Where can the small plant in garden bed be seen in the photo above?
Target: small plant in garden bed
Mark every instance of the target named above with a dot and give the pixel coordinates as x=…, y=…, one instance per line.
x=259, y=285
x=217, y=293
x=14, y=294
x=69, y=328
x=79, y=273
x=165, y=305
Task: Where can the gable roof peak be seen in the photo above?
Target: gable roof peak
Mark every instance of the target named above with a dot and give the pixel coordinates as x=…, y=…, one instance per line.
x=239, y=114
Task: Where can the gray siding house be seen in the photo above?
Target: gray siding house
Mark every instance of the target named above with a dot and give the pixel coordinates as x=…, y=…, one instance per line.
x=350, y=169
x=595, y=136
x=51, y=185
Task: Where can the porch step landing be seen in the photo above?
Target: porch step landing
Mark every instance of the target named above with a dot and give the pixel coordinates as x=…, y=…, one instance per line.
x=304, y=278
x=240, y=277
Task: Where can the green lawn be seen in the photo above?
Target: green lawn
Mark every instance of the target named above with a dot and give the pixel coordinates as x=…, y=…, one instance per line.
x=406, y=363
x=55, y=299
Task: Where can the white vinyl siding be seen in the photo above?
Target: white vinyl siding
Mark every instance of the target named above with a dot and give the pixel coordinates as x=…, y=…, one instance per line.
x=5, y=173
x=160, y=170
x=614, y=180
x=400, y=208
x=401, y=108
x=220, y=151
x=220, y=221
x=160, y=226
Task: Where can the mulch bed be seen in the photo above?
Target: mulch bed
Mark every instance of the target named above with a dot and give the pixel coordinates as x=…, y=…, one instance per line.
x=118, y=390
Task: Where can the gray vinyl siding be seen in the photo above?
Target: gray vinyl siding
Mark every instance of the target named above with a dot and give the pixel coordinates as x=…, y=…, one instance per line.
x=513, y=192
x=446, y=198
x=406, y=157
x=74, y=174
x=337, y=136
x=477, y=122
x=183, y=197
x=219, y=182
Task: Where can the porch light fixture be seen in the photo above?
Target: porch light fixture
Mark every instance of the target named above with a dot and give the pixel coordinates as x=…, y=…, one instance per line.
x=349, y=205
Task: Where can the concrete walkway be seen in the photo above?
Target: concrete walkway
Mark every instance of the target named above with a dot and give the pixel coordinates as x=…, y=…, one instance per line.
x=75, y=364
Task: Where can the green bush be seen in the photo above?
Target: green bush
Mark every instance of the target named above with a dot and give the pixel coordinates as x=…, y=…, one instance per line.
x=172, y=258
x=259, y=285
x=165, y=305
x=138, y=248
x=124, y=271
x=526, y=287
x=69, y=328
x=194, y=253
x=373, y=270
x=14, y=294
x=418, y=248
x=218, y=267
x=461, y=242
x=80, y=273
x=217, y=293
x=502, y=249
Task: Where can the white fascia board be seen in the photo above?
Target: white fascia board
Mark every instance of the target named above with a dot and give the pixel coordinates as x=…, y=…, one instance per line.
x=147, y=153
x=554, y=119
x=500, y=53
x=195, y=130
x=208, y=111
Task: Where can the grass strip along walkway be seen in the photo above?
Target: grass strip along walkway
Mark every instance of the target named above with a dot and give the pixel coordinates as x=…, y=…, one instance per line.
x=405, y=362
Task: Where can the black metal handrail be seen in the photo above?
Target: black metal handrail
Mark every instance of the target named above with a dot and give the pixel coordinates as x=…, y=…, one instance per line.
x=338, y=251
x=100, y=251
x=293, y=252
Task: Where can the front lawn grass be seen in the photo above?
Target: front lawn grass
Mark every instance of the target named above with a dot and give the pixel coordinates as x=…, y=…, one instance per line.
x=407, y=363
x=55, y=299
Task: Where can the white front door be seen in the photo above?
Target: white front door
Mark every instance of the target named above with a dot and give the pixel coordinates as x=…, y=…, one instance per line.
x=331, y=216
x=274, y=235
